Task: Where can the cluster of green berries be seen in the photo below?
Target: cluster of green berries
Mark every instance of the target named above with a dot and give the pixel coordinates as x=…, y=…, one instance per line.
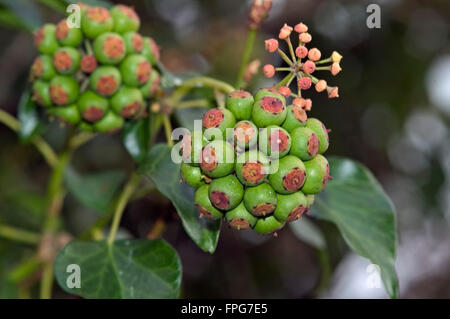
x=96, y=76
x=256, y=162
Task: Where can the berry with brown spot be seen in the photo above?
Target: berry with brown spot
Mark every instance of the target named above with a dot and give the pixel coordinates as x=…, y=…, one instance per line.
x=110, y=123
x=252, y=167
x=66, y=60
x=274, y=141
x=269, y=92
x=64, y=90
x=226, y=193
x=125, y=19
x=295, y=117
x=105, y=80
x=191, y=147
x=135, y=70
x=41, y=93
x=134, y=42
x=66, y=36
x=269, y=110
x=260, y=200
x=321, y=131
x=245, y=134
x=268, y=225
x=109, y=48
x=203, y=204
x=92, y=106
x=305, y=143
x=95, y=21
x=317, y=175
x=290, y=175
x=218, y=118
x=217, y=159
x=67, y=114
x=152, y=86
x=45, y=39
x=192, y=175
x=290, y=207
x=150, y=50
x=42, y=68
x=127, y=102
x=240, y=103
x=239, y=218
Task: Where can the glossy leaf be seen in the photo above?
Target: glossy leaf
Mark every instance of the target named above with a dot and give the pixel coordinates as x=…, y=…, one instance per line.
x=364, y=214
x=305, y=230
x=23, y=14
x=95, y=190
x=134, y=269
x=160, y=168
x=136, y=138
x=28, y=116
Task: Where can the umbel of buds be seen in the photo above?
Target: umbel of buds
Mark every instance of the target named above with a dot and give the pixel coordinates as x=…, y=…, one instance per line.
x=98, y=76
x=302, y=63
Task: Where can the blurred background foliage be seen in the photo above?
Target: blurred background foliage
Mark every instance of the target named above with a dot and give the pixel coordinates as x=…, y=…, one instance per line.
x=393, y=116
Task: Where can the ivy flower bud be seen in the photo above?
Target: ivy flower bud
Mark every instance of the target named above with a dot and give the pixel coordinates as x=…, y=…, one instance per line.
x=304, y=83
x=269, y=70
x=301, y=28
x=285, y=91
x=308, y=105
x=309, y=67
x=314, y=54
x=285, y=32
x=321, y=85
x=336, y=57
x=335, y=68
x=333, y=92
x=271, y=45
x=301, y=52
x=299, y=102
x=305, y=37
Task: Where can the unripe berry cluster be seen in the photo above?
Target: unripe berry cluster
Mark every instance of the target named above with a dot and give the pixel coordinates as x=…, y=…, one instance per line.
x=96, y=76
x=257, y=162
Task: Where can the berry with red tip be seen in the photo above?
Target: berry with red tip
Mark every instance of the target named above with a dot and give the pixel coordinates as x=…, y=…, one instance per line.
x=109, y=48
x=226, y=193
x=66, y=60
x=203, y=204
x=42, y=68
x=191, y=147
x=63, y=90
x=110, y=123
x=269, y=70
x=41, y=93
x=274, y=141
x=240, y=103
x=152, y=85
x=245, y=134
x=127, y=102
x=135, y=70
x=217, y=159
x=192, y=175
x=304, y=83
x=317, y=175
x=269, y=92
x=305, y=144
x=134, y=42
x=260, y=200
x=267, y=225
x=218, y=118
x=45, y=39
x=67, y=114
x=271, y=45
x=321, y=131
x=66, y=36
x=301, y=52
x=92, y=106
x=105, y=80
x=239, y=218
x=290, y=175
x=125, y=19
x=95, y=21
x=252, y=167
x=295, y=117
x=88, y=64
x=269, y=110
x=290, y=207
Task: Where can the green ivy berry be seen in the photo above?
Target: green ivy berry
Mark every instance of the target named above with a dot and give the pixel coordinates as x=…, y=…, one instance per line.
x=67, y=114
x=192, y=146
x=219, y=118
x=66, y=60
x=245, y=134
x=290, y=207
x=42, y=68
x=317, y=174
x=268, y=111
x=135, y=70
x=321, y=131
x=217, y=159
x=252, y=167
x=260, y=200
x=134, y=42
x=41, y=93
x=203, y=204
x=305, y=144
x=226, y=193
x=309, y=201
x=290, y=175
x=64, y=90
x=95, y=21
x=45, y=39
x=267, y=225
x=110, y=123
x=295, y=117
x=125, y=19
x=274, y=141
x=92, y=106
x=84, y=126
x=269, y=93
x=150, y=88
x=150, y=50
x=70, y=37
x=240, y=218
x=109, y=48
x=127, y=102
x=240, y=103
x=192, y=175
x=105, y=80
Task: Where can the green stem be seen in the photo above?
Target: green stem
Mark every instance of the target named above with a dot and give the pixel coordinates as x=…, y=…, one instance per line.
x=246, y=57
x=121, y=204
x=88, y=47
x=47, y=281
x=291, y=50
x=323, y=61
x=19, y=235
x=25, y=269
x=168, y=129
x=285, y=57
x=325, y=276
x=283, y=69
x=81, y=139
x=323, y=68
x=193, y=103
x=286, y=79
